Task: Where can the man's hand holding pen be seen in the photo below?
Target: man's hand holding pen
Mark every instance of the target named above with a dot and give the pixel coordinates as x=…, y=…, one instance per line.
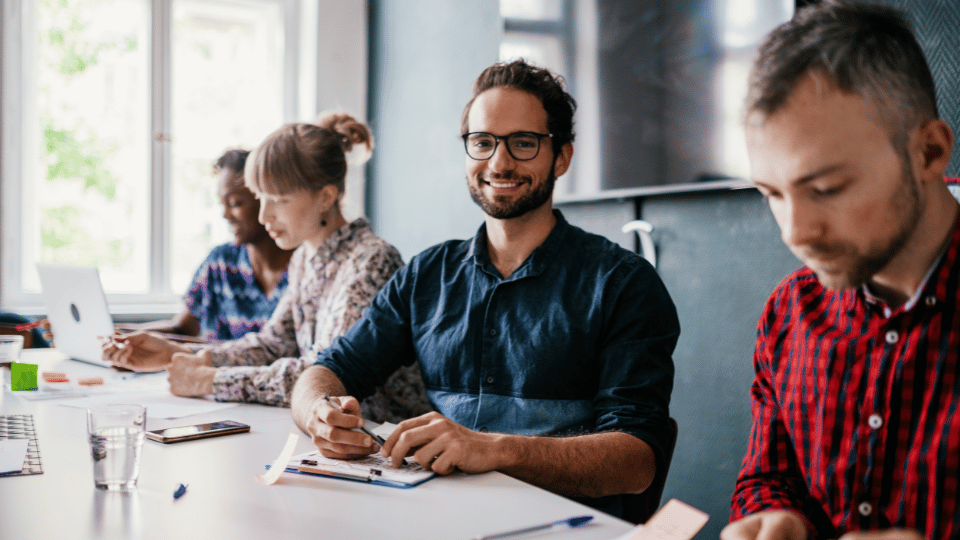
x=436, y=442
x=331, y=427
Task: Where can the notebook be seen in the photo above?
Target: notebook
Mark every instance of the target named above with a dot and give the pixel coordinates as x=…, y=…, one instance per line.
x=77, y=310
x=20, y=426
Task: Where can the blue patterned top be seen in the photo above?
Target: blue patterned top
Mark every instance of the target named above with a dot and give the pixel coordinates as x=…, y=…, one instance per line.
x=226, y=298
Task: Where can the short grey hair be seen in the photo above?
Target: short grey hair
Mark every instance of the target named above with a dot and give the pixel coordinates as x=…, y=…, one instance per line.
x=864, y=49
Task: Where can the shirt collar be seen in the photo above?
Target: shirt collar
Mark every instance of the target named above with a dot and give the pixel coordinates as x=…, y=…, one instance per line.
x=932, y=296
x=911, y=302
x=534, y=264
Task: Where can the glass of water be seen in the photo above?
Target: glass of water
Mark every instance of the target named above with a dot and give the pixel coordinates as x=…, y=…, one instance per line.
x=116, y=437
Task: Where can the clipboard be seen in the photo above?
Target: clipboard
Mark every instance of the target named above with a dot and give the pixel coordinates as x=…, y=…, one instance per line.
x=372, y=469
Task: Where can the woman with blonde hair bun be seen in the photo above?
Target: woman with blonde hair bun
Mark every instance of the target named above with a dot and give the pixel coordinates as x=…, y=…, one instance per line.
x=298, y=174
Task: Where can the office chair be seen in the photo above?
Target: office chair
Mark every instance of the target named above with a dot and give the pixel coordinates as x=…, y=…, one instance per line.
x=638, y=508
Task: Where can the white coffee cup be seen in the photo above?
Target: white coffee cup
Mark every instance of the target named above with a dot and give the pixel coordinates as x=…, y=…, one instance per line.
x=10, y=347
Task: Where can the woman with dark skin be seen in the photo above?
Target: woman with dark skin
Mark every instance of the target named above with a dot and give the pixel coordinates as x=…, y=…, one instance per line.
x=266, y=260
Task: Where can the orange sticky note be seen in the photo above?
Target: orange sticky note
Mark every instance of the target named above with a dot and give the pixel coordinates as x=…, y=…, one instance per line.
x=675, y=521
x=54, y=376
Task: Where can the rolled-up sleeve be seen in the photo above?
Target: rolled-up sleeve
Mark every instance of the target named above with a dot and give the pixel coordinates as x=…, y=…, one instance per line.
x=636, y=359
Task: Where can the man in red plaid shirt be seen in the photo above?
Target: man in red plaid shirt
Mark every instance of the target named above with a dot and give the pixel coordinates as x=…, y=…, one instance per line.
x=856, y=400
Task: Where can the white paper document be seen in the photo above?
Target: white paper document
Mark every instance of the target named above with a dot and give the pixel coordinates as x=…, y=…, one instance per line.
x=675, y=521
x=12, y=454
x=158, y=404
x=372, y=468
x=113, y=383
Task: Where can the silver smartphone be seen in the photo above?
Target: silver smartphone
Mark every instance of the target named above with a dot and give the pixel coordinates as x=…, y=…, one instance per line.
x=198, y=431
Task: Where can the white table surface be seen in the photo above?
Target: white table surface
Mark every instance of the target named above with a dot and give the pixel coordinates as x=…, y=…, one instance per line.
x=224, y=499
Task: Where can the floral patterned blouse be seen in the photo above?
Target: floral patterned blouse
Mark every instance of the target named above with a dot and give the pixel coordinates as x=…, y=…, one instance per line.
x=328, y=291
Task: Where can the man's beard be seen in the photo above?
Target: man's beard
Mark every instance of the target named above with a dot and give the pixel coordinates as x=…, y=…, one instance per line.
x=535, y=198
x=906, y=204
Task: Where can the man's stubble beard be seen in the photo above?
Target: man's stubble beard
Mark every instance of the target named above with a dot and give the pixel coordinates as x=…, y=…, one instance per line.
x=906, y=205
x=531, y=201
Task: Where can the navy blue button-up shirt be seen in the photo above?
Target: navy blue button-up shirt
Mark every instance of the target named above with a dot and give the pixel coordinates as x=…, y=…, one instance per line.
x=577, y=340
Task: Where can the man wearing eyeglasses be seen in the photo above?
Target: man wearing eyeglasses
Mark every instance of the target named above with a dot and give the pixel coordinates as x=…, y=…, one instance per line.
x=545, y=350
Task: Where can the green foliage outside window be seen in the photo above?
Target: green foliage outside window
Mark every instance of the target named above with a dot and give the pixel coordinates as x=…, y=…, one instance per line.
x=68, y=158
x=74, y=154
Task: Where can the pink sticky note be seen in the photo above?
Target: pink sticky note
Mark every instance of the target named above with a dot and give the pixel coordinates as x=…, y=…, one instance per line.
x=675, y=521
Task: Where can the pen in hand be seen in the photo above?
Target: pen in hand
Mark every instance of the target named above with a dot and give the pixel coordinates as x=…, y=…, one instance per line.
x=378, y=439
x=104, y=340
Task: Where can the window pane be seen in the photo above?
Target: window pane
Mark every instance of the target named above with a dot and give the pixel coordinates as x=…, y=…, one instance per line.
x=227, y=92
x=535, y=10
x=541, y=50
x=743, y=23
x=86, y=140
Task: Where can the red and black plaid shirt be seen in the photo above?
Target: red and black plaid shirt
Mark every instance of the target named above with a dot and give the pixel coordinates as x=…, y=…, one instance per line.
x=856, y=415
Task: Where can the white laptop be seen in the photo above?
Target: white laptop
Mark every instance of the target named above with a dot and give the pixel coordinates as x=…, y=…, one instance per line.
x=77, y=309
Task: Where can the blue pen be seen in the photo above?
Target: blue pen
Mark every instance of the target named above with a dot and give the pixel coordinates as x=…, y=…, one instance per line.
x=181, y=489
x=562, y=524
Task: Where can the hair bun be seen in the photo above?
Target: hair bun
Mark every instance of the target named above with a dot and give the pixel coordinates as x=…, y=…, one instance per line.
x=352, y=132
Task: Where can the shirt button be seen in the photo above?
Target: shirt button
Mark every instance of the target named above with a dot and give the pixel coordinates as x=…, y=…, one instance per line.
x=875, y=422
x=493, y=331
x=490, y=380
x=931, y=300
x=865, y=509
x=892, y=336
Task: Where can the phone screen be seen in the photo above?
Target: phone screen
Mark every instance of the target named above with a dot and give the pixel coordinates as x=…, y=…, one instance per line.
x=185, y=433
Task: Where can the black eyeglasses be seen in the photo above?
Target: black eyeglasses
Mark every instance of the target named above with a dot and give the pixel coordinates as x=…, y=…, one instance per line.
x=522, y=145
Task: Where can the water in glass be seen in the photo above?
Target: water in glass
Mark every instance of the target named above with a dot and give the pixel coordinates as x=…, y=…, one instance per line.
x=116, y=457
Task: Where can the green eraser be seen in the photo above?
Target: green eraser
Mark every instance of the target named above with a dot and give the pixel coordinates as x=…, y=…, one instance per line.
x=23, y=376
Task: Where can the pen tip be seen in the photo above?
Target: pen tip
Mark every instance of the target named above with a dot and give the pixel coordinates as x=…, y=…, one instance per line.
x=577, y=521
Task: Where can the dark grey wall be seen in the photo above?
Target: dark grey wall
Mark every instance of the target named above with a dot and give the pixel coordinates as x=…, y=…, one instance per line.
x=935, y=23
x=425, y=56
x=720, y=255
x=604, y=218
